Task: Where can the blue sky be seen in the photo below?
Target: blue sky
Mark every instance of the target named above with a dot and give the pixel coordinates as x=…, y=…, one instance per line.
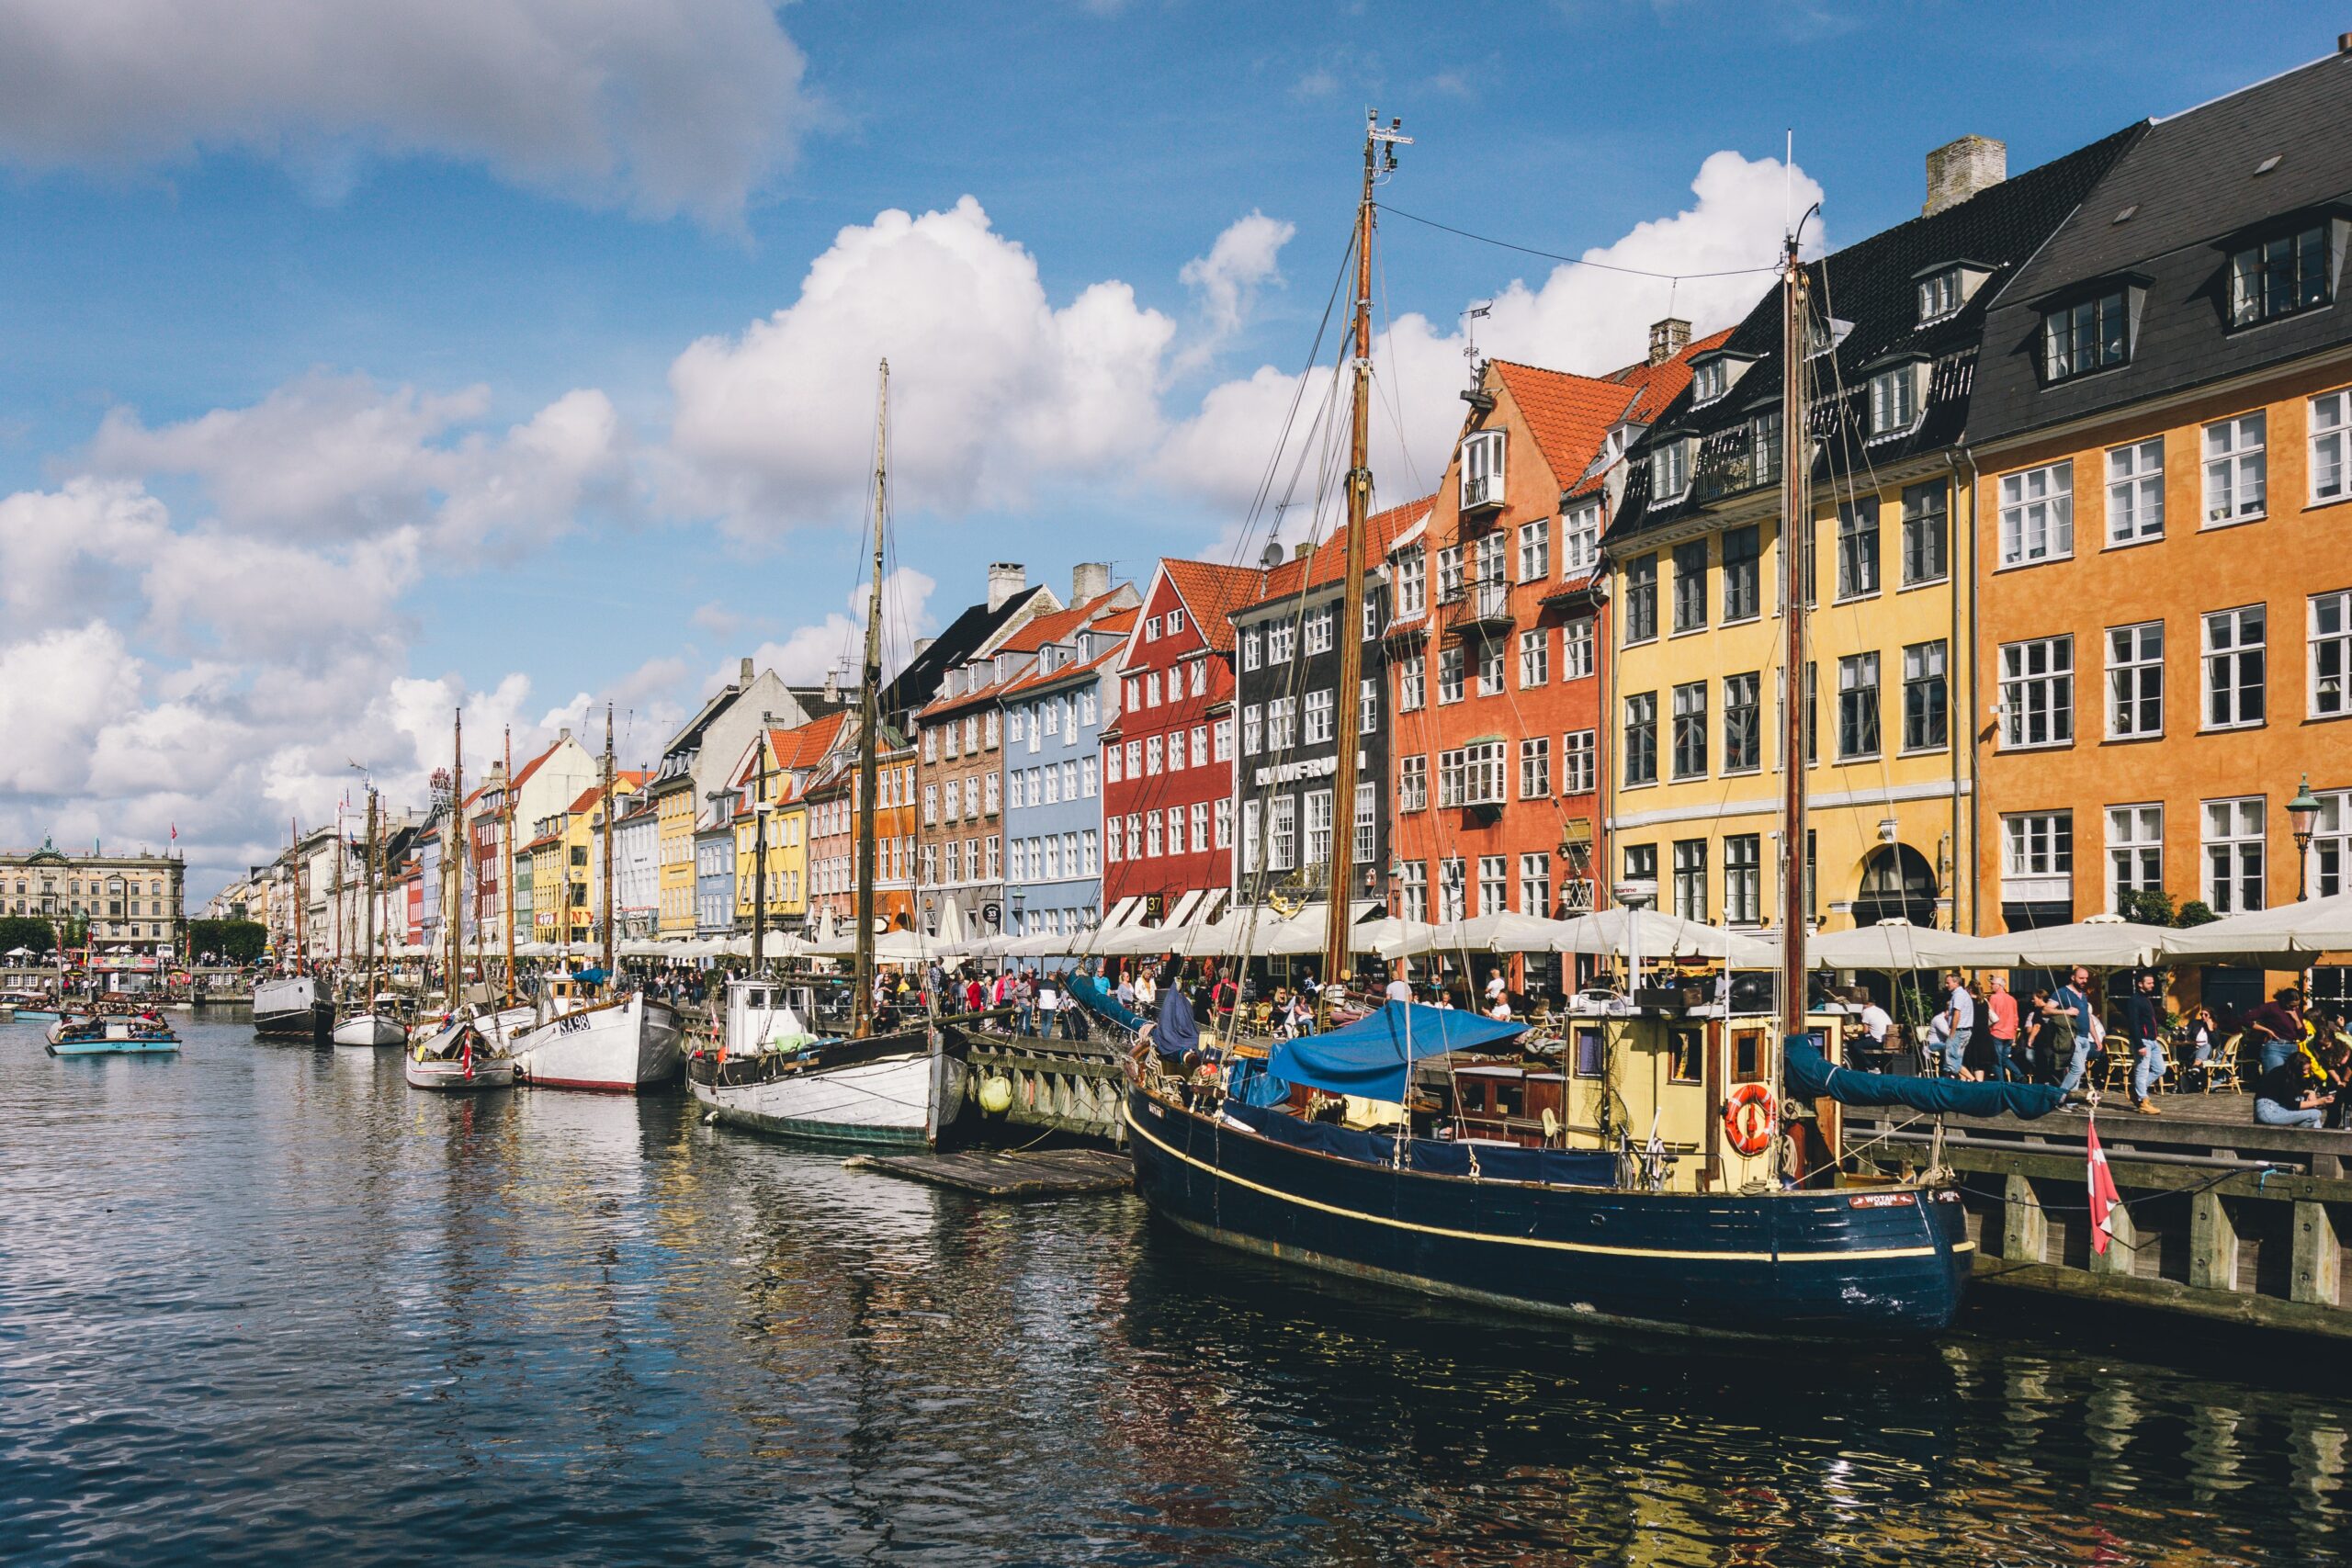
x=280, y=298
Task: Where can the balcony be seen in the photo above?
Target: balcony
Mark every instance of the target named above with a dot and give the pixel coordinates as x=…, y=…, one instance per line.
x=1482, y=497
x=1486, y=610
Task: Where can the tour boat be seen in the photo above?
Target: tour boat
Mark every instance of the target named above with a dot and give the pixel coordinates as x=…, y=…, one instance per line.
x=895, y=1090
x=114, y=1034
x=28, y=1007
x=619, y=1045
x=293, y=1006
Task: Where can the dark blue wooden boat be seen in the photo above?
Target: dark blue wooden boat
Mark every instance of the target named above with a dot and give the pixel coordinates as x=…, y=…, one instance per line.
x=1876, y=1262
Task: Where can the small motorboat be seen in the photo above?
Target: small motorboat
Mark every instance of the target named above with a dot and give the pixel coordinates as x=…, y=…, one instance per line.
x=458, y=1059
x=28, y=1007
x=378, y=1024
x=116, y=1034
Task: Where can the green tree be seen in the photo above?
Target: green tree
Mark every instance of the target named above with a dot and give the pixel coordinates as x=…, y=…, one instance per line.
x=239, y=942
x=28, y=932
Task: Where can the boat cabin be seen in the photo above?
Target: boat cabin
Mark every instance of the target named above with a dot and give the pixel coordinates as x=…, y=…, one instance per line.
x=762, y=1012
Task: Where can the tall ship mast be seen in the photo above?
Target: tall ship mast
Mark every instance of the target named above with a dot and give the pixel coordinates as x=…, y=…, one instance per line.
x=869, y=720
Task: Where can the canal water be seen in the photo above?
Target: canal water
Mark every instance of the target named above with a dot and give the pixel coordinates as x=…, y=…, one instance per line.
x=264, y=1304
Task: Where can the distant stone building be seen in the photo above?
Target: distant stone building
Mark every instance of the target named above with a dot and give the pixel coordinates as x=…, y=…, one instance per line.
x=132, y=903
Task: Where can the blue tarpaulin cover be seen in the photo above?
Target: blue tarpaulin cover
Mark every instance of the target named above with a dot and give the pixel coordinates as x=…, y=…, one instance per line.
x=1177, y=1033
x=1369, y=1057
x=1812, y=1077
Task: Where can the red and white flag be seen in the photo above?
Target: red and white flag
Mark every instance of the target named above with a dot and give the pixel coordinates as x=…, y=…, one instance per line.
x=2104, y=1198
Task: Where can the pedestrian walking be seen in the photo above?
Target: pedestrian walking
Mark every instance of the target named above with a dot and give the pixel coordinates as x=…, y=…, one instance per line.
x=1958, y=1019
x=2143, y=1028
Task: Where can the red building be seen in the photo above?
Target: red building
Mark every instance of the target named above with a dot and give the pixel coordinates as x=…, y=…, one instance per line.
x=1497, y=648
x=1167, y=755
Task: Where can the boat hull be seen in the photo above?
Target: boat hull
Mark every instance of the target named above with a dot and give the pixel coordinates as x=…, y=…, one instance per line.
x=452, y=1077
x=1838, y=1264
x=117, y=1039
x=292, y=1008
x=894, y=1093
x=619, y=1048
x=370, y=1029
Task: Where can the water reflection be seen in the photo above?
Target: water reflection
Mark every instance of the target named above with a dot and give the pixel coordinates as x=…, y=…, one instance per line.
x=269, y=1304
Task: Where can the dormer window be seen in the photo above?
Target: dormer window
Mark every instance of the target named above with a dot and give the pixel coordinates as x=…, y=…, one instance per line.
x=1896, y=398
x=1710, y=382
x=1482, y=470
x=2087, y=335
x=2279, y=277
x=1946, y=286
x=1671, y=469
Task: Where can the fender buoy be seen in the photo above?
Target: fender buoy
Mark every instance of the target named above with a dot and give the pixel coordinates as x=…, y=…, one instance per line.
x=1748, y=1118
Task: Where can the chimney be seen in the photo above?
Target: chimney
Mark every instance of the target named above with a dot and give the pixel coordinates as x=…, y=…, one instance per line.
x=743, y=676
x=1667, y=338
x=565, y=733
x=1301, y=550
x=832, y=683
x=1007, y=578
x=1088, y=580
x=1957, y=170
x=923, y=645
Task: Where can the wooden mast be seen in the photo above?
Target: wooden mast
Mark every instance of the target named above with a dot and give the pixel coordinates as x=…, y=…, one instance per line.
x=608, y=844
x=368, y=889
x=759, y=851
x=869, y=720
x=302, y=897
x=453, y=853
x=335, y=939
x=1379, y=155
x=1796, y=524
x=506, y=863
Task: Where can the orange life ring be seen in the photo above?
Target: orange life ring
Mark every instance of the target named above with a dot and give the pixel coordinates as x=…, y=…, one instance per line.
x=1748, y=1118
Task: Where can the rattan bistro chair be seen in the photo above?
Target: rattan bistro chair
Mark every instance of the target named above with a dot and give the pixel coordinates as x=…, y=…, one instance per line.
x=2224, y=1070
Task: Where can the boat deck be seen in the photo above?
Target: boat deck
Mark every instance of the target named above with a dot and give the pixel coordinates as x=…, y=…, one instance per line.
x=990, y=1173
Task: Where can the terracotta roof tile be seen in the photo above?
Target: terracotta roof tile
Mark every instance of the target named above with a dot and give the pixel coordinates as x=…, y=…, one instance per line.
x=1382, y=531
x=1212, y=592
x=805, y=746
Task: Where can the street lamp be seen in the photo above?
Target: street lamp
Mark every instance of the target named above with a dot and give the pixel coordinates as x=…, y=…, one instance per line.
x=2302, y=817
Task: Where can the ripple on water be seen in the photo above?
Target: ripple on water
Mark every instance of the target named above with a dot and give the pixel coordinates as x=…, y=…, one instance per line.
x=265, y=1304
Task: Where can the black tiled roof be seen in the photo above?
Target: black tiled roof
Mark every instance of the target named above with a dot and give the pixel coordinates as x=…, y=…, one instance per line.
x=2191, y=187
x=918, y=683
x=1873, y=285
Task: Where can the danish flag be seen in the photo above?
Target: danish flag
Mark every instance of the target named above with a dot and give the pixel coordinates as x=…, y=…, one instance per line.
x=2105, y=1200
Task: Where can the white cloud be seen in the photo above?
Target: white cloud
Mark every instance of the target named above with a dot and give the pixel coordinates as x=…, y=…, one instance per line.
x=57, y=691
x=68, y=553
x=837, y=643
x=1582, y=319
x=335, y=456
x=992, y=386
x=1246, y=257
x=660, y=105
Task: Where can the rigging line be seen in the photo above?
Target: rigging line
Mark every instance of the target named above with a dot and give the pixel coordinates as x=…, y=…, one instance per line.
x=1572, y=260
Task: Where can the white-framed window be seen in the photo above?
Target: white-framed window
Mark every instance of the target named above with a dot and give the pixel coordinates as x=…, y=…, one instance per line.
x=1153, y=835
x=2036, y=844
x=1222, y=731
x=1494, y=884
x=1316, y=729
x=1535, y=550
x=1151, y=756
x=1895, y=399
x=1135, y=763
x=1413, y=890
x=1743, y=879
x=2091, y=334
x=2234, y=849
x=1743, y=722
x=1709, y=380
x=1858, y=705
x=1281, y=722
x=1690, y=712
x=1198, y=682
x=1452, y=888
x=1281, y=837
x=2135, y=851
x=1175, y=622
x=1641, y=738
x=2330, y=868
x=1535, y=885
x=1690, y=880
x=1580, y=538
x=1927, y=697
x=1671, y=469
x=2135, y=492
x=1939, y=295
x=1252, y=730
x=1576, y=639
x=2135, y=680
x=1318, y=827
x=2237, y=469
x=1366, y=823
x=1223, y=818
x=1413, y=782
x=1368, y=706
x=2331, y=439
x=1412, y=581
x=2038, y=514
x=1151, y=690
x=2279, y=277
x=1579, y=762
x=1089, y=783
x=1253, y=648
x=2330, y=638
x=1151, y=629
x=1281, y=640
x=2236, y=653
x=1252, y=835
x=1535, y=768
x=1175, y=830
x=1318, y=630
x=1412, y=680
x=1449, y=675
x=1534, y=657
x=2038, y=693
x=990, y=785
x=1490, y=667
x=930, y=805
x=1482, y=468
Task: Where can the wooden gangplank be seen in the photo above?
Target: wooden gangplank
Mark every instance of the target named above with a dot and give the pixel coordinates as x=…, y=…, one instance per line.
x=990, y=1173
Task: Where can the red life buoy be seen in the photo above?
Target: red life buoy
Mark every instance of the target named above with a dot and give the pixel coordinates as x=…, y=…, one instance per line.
x=1748, y=1118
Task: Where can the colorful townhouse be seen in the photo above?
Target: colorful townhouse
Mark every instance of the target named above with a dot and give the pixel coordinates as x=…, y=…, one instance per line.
x=2164, y=479
x=1285, y=751
x=773, y=772
x=1499, y=641
x=1175, y=679
x=1054, y=716
x=627, y=784
x=1897, y=323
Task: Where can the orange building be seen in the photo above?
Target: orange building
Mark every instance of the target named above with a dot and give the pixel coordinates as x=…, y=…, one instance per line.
x=2163, y=450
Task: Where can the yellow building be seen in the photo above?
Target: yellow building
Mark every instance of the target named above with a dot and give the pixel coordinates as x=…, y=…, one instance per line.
x=773, y=772
x=676, y=810
x=1696, y=557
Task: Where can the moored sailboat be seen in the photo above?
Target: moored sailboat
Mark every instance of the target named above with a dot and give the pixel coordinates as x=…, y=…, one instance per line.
x=374, y=1022
x=463, y=1052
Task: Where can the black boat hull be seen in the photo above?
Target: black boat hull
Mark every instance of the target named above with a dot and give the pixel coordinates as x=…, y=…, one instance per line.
x=313, y=1025
x=1840, y=1264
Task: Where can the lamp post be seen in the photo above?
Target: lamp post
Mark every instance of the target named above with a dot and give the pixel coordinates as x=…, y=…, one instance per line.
x=2302, y=817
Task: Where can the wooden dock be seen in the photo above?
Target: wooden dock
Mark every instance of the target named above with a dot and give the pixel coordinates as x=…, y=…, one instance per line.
x=1059, y=1086
x=990, y=1173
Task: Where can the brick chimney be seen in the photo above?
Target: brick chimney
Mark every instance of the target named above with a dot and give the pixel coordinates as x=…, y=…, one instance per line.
x=1301, y=550
x=743, y=676
x=1007, y=581
x=1088, y=580
x=1957, y=170
x=1667, y=338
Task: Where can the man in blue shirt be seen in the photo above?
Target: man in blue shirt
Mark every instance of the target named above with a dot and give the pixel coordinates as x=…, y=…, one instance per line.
x=2074, y=996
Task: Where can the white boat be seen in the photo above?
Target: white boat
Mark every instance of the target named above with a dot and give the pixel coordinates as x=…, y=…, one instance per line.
x=621, y=1045
x=891, y=1091
x=502, y=1028
x=293, y=1006
x=377, y=1026
x=458, y=1060
x=112, y=1035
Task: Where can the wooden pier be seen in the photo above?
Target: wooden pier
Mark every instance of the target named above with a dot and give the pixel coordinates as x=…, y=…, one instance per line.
x=991, y=1173
x=1061, y=1086
x=2223, y=1219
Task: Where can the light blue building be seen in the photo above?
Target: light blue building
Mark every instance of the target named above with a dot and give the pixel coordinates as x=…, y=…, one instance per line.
x=1053, y=785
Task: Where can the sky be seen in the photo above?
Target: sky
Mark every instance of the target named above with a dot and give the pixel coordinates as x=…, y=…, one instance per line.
x=364, y=362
